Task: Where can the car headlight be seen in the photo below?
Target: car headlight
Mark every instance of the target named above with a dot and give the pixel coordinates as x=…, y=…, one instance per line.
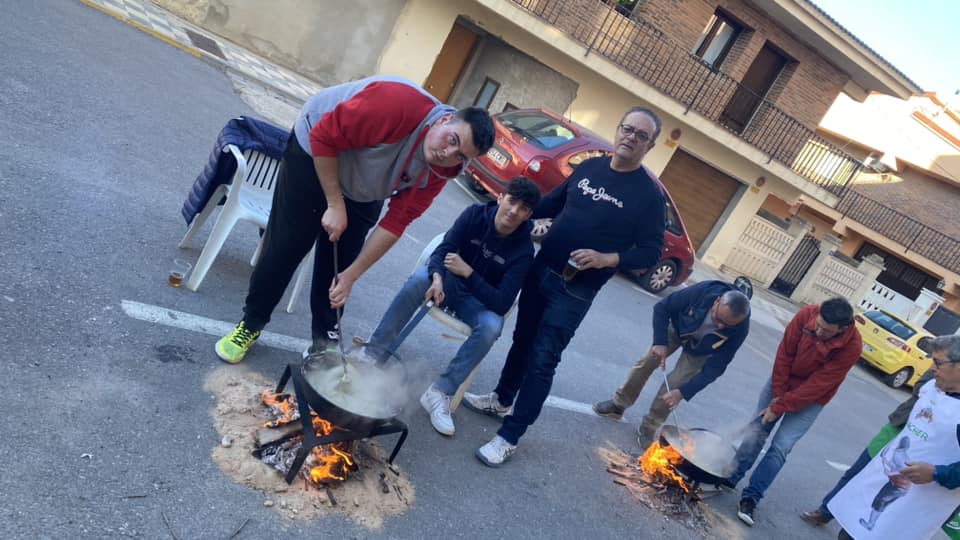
x=534, y=165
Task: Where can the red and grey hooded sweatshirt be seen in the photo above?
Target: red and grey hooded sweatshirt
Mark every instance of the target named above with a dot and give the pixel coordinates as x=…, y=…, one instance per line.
x=808, y=370
x=375, y=127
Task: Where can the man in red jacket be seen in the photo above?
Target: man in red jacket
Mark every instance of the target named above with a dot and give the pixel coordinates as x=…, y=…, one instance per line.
x=353, y=146
x=818, y=348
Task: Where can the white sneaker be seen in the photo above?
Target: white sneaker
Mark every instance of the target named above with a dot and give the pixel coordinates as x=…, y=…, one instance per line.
x=495, y=452
x=486, y=404
x=438, y=405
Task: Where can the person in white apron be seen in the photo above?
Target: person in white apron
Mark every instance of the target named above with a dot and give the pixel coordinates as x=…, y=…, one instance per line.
x=909, y=489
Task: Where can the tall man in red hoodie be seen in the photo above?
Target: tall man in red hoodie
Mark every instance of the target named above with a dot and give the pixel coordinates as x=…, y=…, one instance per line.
x=352, y=147
x=818, y=348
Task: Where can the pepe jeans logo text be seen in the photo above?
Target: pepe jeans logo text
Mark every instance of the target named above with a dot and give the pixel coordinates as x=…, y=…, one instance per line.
x=598, y=194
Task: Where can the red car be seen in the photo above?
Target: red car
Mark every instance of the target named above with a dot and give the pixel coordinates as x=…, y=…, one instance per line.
x=547, y=148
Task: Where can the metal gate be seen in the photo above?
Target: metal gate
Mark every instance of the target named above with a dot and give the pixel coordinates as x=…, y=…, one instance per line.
x=797, y=266
x=943, y=322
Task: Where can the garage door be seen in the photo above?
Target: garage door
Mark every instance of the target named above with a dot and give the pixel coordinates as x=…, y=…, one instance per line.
x=700, y=192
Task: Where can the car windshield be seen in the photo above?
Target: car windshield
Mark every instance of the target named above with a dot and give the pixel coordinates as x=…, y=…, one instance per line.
x=890, y=324
x=539, y=130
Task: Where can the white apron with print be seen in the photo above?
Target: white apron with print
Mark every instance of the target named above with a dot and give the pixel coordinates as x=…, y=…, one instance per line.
x=878, y=503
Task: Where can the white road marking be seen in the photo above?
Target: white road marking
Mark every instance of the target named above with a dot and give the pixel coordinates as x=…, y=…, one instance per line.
x=213, y=327
x=467, y=190
x=572, y=406
x=203, y=325
x=646, y=292
x=838, y=466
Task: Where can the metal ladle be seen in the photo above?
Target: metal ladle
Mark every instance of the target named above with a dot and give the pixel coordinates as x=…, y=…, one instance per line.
x=666, y=383
x=344, y=379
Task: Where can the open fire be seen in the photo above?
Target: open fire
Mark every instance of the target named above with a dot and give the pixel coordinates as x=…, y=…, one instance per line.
x=328, y=462
x=658, y=464
x=653, y=481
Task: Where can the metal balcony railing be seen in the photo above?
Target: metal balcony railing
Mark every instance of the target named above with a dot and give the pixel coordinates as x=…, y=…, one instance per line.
x=647, y=53
x=902, y=229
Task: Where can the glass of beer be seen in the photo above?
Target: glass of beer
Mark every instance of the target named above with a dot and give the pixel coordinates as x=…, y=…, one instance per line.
x=571, y=269
x=179, y=271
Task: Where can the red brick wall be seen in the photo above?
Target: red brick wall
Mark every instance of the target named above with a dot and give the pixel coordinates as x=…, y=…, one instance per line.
x=927, y=200
x=805, y=92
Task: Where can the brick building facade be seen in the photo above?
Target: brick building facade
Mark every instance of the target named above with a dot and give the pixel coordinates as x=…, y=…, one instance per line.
x=807, y=86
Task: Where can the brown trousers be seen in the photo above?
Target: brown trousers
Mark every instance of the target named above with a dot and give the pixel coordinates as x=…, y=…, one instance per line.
x=687, y=366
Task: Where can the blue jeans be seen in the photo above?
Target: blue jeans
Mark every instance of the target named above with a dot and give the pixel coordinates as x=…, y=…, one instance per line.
x=793, y=425
x=485, y=324
x=549, y=313
x=857, y=466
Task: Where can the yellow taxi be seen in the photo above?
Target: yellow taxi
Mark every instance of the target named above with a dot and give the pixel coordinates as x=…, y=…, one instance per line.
x=894, y=346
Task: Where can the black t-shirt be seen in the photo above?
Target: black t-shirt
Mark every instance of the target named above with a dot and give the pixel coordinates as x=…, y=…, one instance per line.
x=605, y=210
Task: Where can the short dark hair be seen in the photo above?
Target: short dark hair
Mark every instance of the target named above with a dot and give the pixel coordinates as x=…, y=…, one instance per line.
x=837, y=311
x=653, y=116
x=524, y=189
x=481, y=127
x=736, y=302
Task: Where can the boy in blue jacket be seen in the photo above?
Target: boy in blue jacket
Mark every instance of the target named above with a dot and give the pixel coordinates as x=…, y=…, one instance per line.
x=477, y=272
x=710, y=321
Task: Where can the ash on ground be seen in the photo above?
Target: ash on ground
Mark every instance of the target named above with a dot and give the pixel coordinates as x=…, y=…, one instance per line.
x=239, y=413
x=667, y=499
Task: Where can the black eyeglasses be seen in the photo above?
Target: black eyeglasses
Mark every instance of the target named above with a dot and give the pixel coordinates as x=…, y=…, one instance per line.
x=940, y=363
x=629, y=130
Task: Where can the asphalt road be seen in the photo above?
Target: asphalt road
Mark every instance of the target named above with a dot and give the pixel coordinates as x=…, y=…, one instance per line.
x=102, y=131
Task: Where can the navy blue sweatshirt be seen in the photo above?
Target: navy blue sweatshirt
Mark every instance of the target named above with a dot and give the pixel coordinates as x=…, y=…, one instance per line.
x=607, y=211
x=685, y=310
x=499, y=263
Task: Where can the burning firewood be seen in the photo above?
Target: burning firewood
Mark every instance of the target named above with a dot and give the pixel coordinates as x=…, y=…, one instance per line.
x=267, y=436
x=652, y=481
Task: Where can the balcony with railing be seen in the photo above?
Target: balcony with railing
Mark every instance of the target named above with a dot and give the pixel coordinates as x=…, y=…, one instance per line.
x=902, y=229
x=648, y=54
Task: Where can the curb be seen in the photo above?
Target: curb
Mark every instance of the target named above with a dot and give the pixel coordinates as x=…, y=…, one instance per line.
x=144, y=29
x=198, y=53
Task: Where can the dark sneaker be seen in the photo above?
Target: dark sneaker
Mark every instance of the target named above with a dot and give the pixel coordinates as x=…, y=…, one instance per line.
x=728, y=484
x=645, y=436
x=609, y=409
x=234, y=346
x=745, y=510
x=322, y=344
x=815, y=517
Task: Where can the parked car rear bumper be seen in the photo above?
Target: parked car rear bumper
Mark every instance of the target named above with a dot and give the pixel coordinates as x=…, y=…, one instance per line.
x=485, y=178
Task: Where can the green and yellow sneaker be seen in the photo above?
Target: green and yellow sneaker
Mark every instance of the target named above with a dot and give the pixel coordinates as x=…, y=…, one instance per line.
x=234, y=346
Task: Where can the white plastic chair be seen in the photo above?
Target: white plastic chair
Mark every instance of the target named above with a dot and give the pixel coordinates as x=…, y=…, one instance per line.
x=249, y=198
x=452, y=322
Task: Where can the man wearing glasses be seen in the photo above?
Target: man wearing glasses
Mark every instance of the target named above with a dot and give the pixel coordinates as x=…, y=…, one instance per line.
x=922, y=493
x=608, y=215
x=818, y=348
x=709, y=320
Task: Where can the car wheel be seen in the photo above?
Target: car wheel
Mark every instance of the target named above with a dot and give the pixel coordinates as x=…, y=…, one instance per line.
x=540, y=228
x=659, y=277
x=900, y=378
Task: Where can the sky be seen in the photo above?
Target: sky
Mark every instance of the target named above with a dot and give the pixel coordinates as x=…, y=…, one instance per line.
x=919, y=37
